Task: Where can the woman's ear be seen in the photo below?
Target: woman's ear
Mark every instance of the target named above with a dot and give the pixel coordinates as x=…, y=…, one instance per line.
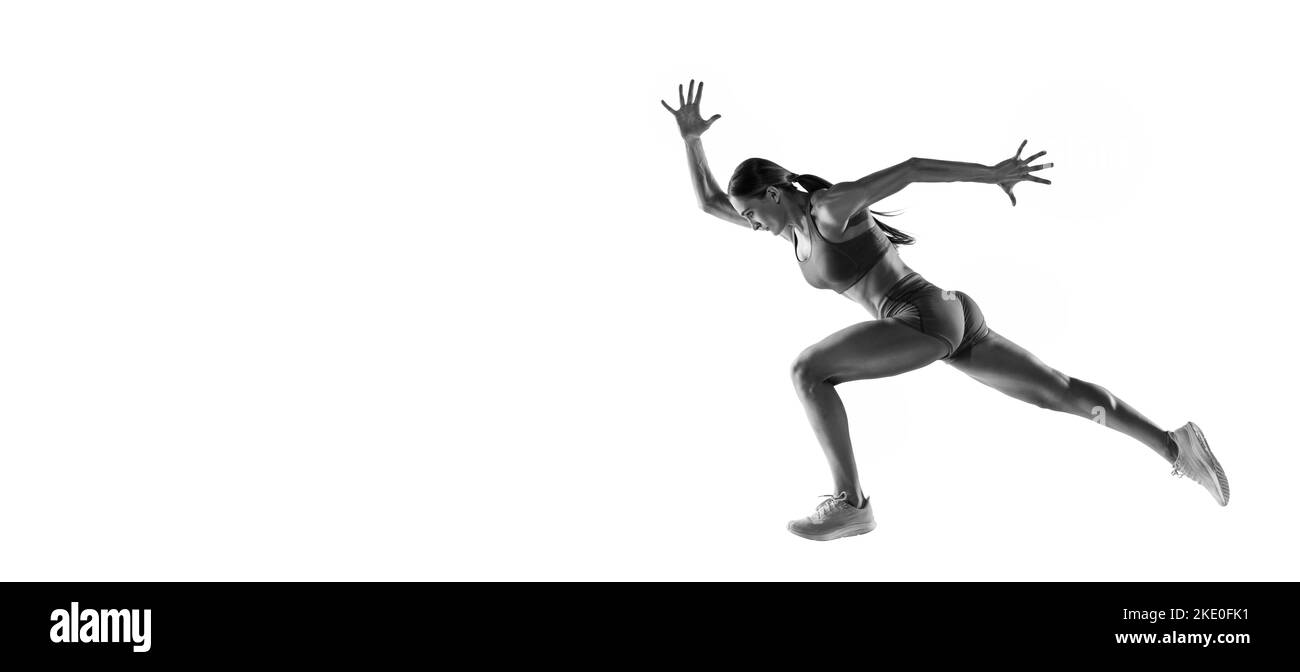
x=774, y=193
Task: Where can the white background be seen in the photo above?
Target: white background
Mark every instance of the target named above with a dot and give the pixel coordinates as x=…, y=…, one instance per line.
x=419, y=291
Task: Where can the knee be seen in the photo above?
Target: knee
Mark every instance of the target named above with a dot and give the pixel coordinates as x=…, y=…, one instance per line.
x=1094, y=397
x=806, y=372
x=1079, y=397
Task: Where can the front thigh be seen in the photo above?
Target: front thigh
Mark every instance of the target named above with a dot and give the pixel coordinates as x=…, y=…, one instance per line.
x=872, y=349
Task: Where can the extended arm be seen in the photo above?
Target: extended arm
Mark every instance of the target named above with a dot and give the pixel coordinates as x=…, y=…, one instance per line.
x=711, y=198
x=843, y=200
x=935, y=170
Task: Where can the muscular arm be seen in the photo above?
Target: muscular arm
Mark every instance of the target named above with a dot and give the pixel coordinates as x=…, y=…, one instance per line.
x=841, y=201
x=935, y=170
x=712, y=199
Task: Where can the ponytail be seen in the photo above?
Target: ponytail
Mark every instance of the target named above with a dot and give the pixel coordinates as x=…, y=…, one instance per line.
x=755, y=175
x=811, y=183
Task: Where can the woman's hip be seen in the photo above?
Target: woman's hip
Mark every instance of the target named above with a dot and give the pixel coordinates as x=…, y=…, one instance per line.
x=951, y=315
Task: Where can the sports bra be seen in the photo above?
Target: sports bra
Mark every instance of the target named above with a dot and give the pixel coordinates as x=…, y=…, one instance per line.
x=838, y=266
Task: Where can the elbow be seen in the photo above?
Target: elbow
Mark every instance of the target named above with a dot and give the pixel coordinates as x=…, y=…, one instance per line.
x=915, y=169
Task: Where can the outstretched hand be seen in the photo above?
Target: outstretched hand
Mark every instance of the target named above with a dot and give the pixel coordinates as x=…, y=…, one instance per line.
x=689, y=121
x=1015, y=169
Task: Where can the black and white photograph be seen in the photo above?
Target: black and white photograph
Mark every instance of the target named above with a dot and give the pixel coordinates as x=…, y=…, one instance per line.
x=295, y=295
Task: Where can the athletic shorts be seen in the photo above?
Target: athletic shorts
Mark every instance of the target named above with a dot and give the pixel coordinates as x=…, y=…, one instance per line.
x=951, y=316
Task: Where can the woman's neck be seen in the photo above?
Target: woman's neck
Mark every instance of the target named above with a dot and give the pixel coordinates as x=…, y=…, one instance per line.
x=804, y=218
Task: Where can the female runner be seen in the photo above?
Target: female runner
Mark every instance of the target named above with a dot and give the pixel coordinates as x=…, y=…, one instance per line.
x=840, y=245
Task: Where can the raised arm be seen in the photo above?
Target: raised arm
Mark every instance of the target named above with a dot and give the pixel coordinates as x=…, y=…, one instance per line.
x=841, y=201
x=711, y=198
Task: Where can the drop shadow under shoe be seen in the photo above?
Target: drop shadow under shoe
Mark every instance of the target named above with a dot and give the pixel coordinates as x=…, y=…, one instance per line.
x=834, y=518
x=1196, y=462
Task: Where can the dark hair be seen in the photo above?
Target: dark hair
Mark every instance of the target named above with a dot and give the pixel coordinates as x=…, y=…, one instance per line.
x=753, y=176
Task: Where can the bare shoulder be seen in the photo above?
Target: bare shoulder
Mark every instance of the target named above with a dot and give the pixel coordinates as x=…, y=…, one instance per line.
x=832, y=221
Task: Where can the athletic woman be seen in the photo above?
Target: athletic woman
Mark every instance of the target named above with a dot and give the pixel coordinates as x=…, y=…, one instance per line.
x=841, y=246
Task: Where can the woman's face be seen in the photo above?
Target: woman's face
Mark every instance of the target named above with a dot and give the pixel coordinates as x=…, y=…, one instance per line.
x=768, y=211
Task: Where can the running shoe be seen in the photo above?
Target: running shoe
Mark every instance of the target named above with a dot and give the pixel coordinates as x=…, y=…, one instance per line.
x=1196, y=462
x=834, y=518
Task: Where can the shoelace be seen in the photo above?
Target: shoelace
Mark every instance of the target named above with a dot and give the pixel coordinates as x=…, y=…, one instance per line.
x=829, y=505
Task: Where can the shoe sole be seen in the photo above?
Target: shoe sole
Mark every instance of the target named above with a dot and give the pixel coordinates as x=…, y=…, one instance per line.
x=1220, y=478
x=850, y=531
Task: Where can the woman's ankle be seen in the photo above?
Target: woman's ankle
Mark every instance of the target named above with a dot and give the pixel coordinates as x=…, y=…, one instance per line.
x=1171, y=446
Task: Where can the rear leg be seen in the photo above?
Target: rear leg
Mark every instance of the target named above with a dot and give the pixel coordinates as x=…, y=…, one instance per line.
x=1008, y=368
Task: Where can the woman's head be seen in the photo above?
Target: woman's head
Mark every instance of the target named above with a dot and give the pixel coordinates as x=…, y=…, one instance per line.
x=764, y=193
